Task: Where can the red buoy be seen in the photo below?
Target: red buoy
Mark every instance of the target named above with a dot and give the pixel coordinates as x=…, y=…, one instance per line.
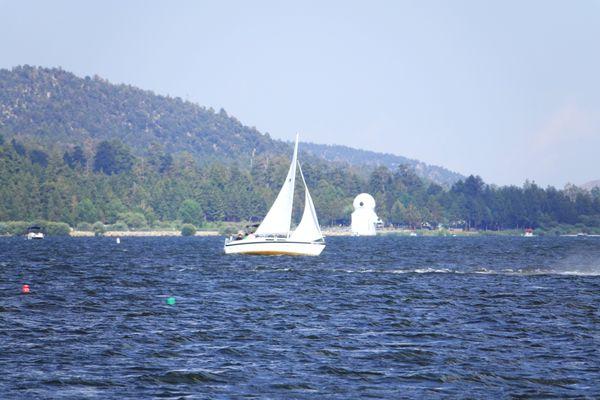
x=25, y=289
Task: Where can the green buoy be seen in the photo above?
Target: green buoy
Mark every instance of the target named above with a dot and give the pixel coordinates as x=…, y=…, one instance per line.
x=171, y=301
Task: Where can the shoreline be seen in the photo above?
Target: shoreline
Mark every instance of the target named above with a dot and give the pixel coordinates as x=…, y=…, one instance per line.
x=326, y=232
x=151, y=233
x=331, y=232
x=405, y=232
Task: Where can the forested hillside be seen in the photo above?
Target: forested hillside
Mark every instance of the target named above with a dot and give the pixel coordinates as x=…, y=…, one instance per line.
x=114, y=186
x=336, y=153
x=83, y=151
x=55, y=108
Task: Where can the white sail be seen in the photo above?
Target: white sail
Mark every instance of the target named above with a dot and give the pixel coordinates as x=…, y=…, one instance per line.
x=308, y=229
x=279, y=218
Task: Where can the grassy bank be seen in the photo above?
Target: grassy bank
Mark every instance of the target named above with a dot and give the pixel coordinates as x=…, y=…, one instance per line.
x=153, y=233
x=178, y=228
x=175, y=228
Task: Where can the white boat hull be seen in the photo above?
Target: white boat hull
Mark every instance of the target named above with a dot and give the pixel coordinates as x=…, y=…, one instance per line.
x=35, y=235
x=273, y=247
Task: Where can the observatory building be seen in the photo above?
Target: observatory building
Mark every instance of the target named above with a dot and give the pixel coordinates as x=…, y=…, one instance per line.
x=364, y=218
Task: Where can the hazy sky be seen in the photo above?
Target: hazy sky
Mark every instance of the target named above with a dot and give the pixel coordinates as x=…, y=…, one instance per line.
x=507, y=90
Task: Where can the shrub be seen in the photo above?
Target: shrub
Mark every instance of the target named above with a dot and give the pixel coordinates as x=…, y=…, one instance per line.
x=188, y=230
x=177, y=224
x=119, y=226
x=133, y=220
x=228, y=230
x=20, y=227
x=166, y=225
x=57, y=229
x=99, y=228
x=17, y=227
x=84, y=226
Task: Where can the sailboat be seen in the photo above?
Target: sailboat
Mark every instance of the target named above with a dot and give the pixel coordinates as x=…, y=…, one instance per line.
x=274, y=235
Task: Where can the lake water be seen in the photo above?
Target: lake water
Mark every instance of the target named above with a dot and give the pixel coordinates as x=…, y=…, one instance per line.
x=385, y=317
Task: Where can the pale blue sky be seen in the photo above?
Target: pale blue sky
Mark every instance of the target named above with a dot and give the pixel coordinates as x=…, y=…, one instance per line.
x=509, y=90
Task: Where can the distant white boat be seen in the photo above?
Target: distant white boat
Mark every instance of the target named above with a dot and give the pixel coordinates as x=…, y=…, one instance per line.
x=34, y=232
x=274, y=235
x=528, y=233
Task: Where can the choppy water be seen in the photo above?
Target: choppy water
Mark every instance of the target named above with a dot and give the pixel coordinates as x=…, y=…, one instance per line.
x=385, y=317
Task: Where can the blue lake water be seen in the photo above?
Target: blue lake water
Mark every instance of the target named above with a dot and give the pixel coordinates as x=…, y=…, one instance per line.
x=385, y=317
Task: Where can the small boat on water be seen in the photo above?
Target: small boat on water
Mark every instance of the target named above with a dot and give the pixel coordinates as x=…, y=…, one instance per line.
x=34, y=232
x=274, y=235
x=528, y=232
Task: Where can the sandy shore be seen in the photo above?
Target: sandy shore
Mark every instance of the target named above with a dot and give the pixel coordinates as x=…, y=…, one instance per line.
x=404, y=232
x=141, y=233
x=344, y=231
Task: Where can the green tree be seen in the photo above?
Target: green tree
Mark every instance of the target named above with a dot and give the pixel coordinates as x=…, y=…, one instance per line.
x=191, y=212
x=134, y=220
x=413, y=216
x=159, y=159
x=39, y=157
x=398, y=213
x=112, y=157
x=18, y=147
x=112, y=210
x=86, y=211
x=214, y=203
x=75, y=158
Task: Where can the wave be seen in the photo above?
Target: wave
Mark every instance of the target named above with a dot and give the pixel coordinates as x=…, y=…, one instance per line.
x=480, y=271
x=187, y=377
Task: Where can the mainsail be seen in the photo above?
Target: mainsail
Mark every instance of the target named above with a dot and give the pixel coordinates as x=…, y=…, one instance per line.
x=279, y=217
x=308, y=229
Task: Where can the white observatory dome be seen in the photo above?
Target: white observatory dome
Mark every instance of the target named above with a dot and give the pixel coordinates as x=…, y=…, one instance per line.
x=364, y=218
x=364, y=200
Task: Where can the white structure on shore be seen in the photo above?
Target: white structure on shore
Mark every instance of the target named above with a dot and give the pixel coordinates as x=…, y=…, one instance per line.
x=364, y=219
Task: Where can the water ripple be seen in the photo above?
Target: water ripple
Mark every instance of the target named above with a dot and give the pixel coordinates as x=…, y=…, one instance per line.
x=383, y=317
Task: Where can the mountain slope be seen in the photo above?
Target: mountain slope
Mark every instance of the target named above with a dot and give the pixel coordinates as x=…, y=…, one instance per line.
x=51, y=106
x=337, y=153
x=55, y=108
x=591, y=185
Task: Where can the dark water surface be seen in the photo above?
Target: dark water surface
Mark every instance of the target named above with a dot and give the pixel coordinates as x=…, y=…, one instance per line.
x=386, y=317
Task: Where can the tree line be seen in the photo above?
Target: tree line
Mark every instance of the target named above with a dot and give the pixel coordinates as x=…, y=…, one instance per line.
x=113, y=186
